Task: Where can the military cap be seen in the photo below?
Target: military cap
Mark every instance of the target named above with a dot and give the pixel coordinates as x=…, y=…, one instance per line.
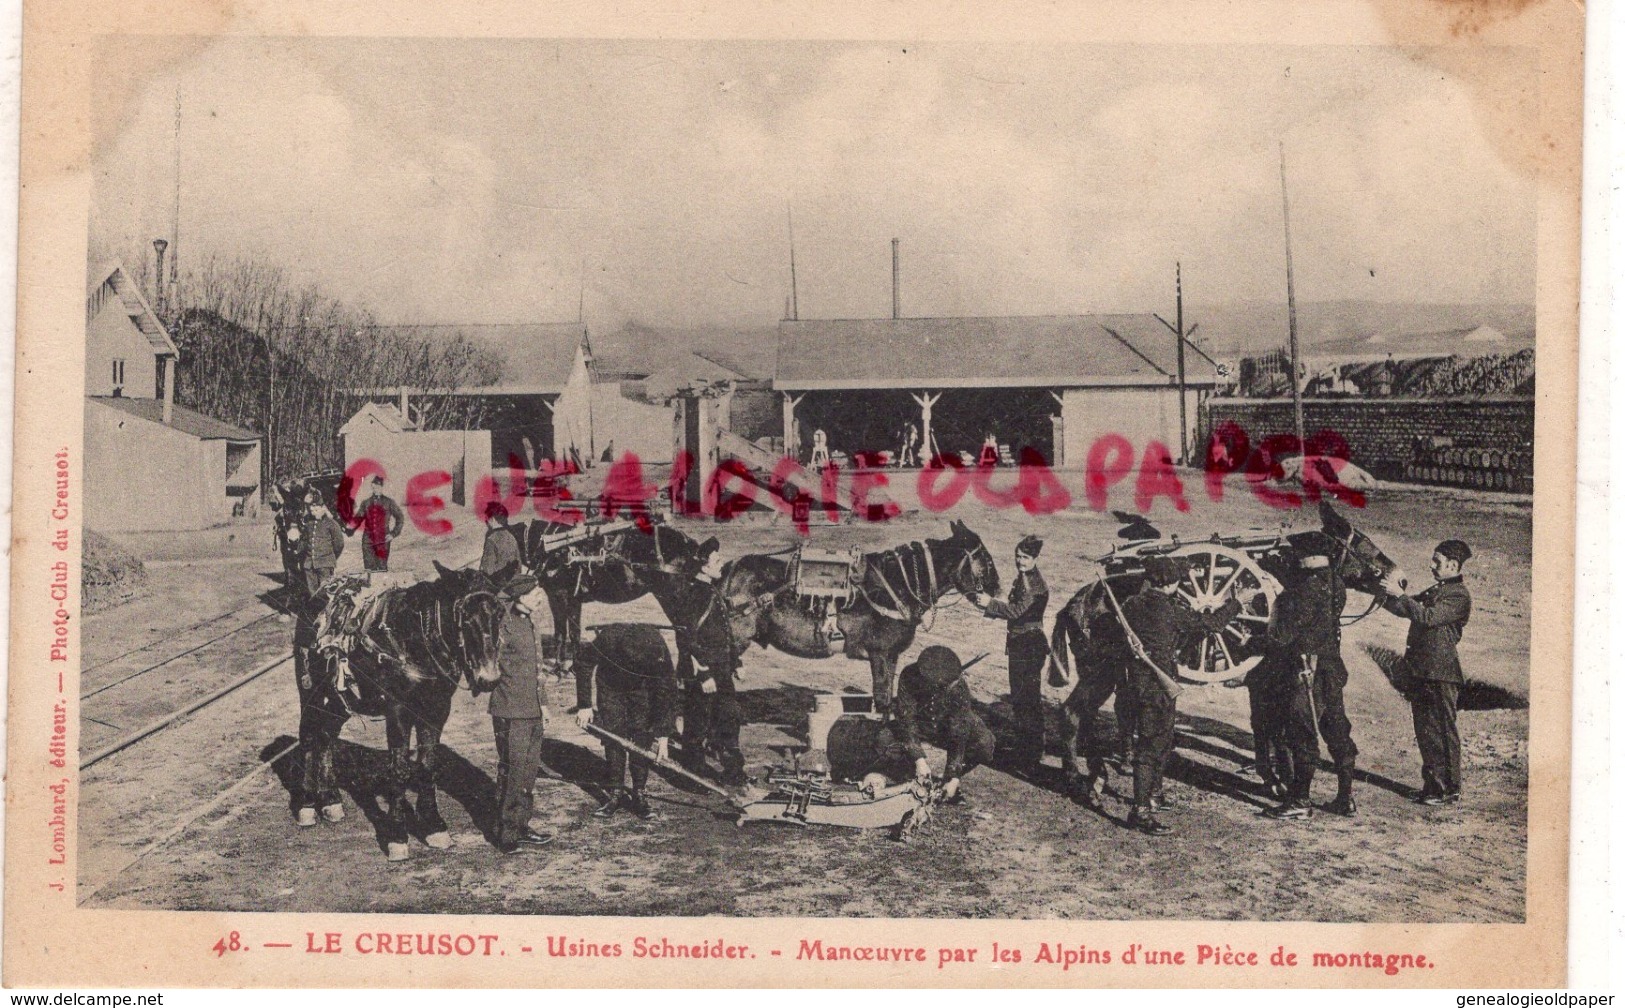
x=938, y=666
x=521, y=585
x=1030, y=546
x=1454, y=549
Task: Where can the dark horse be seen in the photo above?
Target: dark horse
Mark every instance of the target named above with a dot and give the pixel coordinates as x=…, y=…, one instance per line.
x=1088, y=631
x=613, y=569
x=418, y=644
x=754, y=600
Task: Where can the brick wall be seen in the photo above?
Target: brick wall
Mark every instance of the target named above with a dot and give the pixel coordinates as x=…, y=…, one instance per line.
x=1479, y=443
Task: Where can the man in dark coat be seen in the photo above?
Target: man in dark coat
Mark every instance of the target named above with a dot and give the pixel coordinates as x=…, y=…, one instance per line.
x=380, y=521
x=1163, y=623
x=627, y=685
x=1305, y=651
x=1102, y=674
x=933, y=704
x=501, y=545
x=519, y=718
x=324, y=544
x=1433, y=669
x=1026, y=648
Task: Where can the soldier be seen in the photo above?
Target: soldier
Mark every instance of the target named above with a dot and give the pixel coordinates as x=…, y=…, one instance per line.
x=626, y=684
x=501, y=545
x=933, y=704
x=711, y=715
x=1162, y=623
x=519, y=719
x=1304, y=647
x=1026, y=647
x=380, y=521
x=1438, y=616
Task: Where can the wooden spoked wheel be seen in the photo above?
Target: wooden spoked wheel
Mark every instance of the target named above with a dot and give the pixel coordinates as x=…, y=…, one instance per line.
x=1214, y=573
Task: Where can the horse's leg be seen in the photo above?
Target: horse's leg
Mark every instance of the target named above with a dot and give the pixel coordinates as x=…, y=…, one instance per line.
x=434, y=712
x=559, y=604
x=311, y=743
x=398, y=729
x=696, y=712
x=319, y=726
x=725, y=724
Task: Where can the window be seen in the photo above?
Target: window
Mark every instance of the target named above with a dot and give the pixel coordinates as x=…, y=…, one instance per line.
x=118, y=371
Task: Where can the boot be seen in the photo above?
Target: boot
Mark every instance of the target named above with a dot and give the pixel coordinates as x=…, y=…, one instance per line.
x=1291, y=809
x=733, y=769
x=636, y=804
x=1087, y=791
x=1343, y=804
x=614, y=801
x=1144, y=820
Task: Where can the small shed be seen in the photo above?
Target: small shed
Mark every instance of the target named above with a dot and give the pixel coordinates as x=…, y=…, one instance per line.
x=148, y=471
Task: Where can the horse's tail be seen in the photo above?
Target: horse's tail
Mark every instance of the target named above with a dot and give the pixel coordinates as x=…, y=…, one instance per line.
x=1060, y=650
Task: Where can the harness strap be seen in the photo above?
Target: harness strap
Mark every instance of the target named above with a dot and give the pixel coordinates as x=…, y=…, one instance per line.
x=1128, y=631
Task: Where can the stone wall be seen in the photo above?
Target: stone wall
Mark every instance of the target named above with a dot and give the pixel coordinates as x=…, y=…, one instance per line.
x=1486, y=444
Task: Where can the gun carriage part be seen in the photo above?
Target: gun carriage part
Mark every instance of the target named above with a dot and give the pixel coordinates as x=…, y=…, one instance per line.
x=1215, y=569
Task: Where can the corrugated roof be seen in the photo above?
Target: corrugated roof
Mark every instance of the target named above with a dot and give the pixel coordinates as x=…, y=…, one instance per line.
x=536, y=356
x=112, y=280
x=1012, y=351
x=638, y=351
x=180, y=418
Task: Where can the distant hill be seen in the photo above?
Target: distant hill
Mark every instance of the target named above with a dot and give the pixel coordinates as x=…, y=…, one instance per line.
x=1356, y=327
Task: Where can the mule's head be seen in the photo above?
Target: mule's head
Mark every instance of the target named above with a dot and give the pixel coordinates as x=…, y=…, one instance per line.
x=969, y=564
x=479, y=606
x=1359, y=561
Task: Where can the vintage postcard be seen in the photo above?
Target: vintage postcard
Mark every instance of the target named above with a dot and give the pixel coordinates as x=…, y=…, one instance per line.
x=763, y=495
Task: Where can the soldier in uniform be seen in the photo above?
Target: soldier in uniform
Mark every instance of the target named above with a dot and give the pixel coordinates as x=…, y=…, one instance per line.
x=519, y=718
x=501, y=545
x=1304, y=647
x=1026, y=647
x=711, y=715
x=933, y=704
x=1163, y=623
x=627, y=685
x=324, y=544
x=1438, y=616
x=380, y=521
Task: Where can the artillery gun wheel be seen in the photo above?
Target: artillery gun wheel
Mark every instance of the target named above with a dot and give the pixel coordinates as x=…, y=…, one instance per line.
x=1214, y=571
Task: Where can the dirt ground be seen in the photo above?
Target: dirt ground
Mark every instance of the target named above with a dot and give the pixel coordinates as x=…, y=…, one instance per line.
x=1019, y=848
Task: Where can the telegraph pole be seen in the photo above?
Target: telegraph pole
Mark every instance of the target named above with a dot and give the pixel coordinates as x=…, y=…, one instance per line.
x=1291, y=311
x=1181, y=337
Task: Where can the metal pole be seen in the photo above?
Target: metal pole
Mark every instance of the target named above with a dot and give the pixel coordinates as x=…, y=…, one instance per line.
x=896, y=299
x=667, y=764
x=1179, y=340
x=795, y=304
x=1291, y=311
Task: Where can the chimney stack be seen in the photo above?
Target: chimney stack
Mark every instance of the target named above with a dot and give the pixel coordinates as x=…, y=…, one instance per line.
x=896, y=300
x=158, y=281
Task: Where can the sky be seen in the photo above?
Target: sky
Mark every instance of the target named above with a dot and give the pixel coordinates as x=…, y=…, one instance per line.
x=492, y=181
